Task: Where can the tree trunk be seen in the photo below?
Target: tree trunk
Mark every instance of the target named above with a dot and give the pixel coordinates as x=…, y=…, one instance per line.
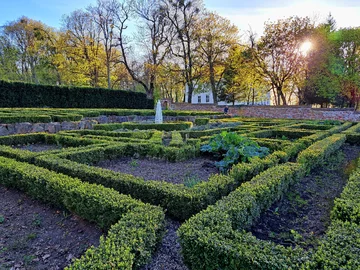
x=212, y=81
x=253, y=95
x=281, y=95
x=108, y=73
x=190, y=91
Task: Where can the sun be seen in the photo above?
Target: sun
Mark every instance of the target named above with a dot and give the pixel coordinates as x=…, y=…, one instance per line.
x=305, y=47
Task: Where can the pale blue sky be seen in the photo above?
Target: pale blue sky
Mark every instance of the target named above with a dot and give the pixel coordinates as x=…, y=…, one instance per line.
x=242, y=13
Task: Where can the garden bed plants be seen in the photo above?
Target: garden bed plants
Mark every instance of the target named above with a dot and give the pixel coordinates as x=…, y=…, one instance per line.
x=215, y=215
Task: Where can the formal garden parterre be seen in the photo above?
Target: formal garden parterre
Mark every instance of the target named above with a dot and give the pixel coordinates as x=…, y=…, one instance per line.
x=217, y=213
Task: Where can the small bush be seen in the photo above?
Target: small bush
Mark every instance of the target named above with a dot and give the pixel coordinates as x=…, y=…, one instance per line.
x=201, y=121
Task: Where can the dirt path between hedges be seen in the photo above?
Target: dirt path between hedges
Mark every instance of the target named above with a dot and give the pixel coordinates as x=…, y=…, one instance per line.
x=303, y=215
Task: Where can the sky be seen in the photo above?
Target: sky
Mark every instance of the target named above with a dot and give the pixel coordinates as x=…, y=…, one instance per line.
x=242, y=13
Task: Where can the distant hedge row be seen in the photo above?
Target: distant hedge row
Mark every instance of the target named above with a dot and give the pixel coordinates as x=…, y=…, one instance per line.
x=15, y=94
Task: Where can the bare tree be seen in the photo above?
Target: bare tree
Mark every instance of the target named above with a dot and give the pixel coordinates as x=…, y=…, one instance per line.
x=156, y=35
x=103, y=16
x=183, y=15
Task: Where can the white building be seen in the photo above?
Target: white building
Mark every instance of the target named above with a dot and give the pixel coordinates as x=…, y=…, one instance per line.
x=206, y=97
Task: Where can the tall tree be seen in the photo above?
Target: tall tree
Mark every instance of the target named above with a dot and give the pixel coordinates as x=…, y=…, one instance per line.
x=277, y=55
x=241, y=81
x=184, y=16
x=21, y=35
x=215, y=36
x=83, y=47
x=155, y=36
x=103, y=16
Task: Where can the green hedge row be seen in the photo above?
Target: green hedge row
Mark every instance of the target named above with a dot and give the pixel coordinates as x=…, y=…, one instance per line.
x=94, y=203
x=354, y=129
x=215, y=238
x=316, y=154
x=353, y=138
x=8, y=119
x=176, y=139
x=14, y=94
x=164, y=126
x=140, y=126
x=347, y=207
x=340, y=248
x=144, y=134
x=201, y=121
x=180, y=201
x=311, y=126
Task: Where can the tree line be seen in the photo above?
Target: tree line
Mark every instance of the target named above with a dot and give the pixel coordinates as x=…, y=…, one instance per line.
x=159, y=46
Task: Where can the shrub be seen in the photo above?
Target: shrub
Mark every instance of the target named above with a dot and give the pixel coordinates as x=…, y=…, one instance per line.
x=201, y=121
x=339, y=249
x=176, y=139
x=315, y=155
x=347, y=207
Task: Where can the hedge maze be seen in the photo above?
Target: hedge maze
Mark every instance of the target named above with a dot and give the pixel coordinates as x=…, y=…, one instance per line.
x=217, y=213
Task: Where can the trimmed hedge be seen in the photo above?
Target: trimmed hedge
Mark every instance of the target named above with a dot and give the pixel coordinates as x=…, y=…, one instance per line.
x=353, y=129
x=128, y=244
x=339, y=249
x=16, y=94
x=316, y=154
x=214, y=238
x=140, y=126
x=347, y=207
x=201, y=121
x=163, y=127
x=95, y=203
x=353, y=138
x=176, y=139
x=8, y=119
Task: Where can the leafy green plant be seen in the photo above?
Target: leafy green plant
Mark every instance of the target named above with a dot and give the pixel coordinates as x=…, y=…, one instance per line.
x=232, y=147
x=134, y=164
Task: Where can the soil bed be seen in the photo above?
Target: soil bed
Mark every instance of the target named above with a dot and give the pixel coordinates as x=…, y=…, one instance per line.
x=304, y=213
x=167, y=255
x=36, y=236
x=194, y=170
x=39, y=147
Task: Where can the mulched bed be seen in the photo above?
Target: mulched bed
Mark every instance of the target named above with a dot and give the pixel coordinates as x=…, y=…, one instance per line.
x=304, y=213
x=36, y=236
x=39, y=147
x=197, y=169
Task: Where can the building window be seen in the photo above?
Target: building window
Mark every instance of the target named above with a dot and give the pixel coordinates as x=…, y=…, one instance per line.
x=199, y=99
x=207, y=98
